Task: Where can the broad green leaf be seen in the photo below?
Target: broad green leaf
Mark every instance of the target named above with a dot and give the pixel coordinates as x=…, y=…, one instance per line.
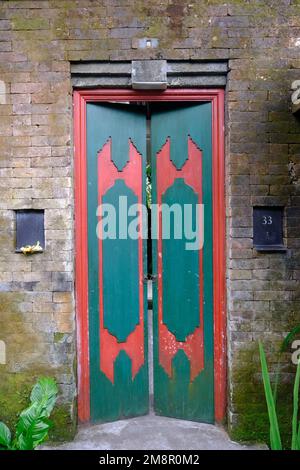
x=23, y=443
x=45, y=386
x=36, y=434
x=33, y=424
x=275, y=438
x=295, y=442
x=45, y=391
x=32, y=428
x=27, y=417
x=5, y=436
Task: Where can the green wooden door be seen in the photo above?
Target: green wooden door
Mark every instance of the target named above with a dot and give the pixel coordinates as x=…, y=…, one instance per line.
x=181, y=141
x=116, y=152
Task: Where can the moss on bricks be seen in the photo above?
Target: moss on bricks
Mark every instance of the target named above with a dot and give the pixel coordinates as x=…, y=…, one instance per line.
x=14, y=396
x=251, y=422
x=15, y=392
x=64, y=423
x=21, y=23
x=58, y=337
x=15, y=386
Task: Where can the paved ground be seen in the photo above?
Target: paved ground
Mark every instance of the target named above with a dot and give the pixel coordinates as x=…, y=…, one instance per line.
x=153, y=433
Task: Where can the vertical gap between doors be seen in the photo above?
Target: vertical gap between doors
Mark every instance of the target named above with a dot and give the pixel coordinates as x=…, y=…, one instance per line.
x=149, y=258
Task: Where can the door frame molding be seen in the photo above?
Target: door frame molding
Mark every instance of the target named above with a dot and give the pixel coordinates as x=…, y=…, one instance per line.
x=216, y=97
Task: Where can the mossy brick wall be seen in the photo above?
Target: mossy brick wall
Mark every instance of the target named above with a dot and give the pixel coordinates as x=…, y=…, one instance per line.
x=38, y=39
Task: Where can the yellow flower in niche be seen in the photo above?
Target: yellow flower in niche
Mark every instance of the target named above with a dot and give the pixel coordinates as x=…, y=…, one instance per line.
x=30, y=249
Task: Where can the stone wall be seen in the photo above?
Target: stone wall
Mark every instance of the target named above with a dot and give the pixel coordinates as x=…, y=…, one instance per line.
x=38, y=39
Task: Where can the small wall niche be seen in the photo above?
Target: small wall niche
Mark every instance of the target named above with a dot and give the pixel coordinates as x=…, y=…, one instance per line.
x=29, y=228
x=2, y=352
x=268, y=228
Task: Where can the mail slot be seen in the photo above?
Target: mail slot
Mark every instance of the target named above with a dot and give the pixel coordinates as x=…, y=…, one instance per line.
x=29, y=228
x=268, y=228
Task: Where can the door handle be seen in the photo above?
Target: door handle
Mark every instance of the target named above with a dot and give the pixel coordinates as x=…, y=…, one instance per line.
x=150, y=277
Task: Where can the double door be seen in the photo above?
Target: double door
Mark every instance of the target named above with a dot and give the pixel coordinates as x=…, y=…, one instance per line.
x=144, y=159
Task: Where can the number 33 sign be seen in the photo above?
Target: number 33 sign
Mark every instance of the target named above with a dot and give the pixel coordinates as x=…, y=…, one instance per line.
x=267, y=220
x=268, y=228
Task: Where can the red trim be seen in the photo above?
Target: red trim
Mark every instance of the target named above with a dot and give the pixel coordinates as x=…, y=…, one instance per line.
x=81, y=257
x=216, y=96
x=219, y=248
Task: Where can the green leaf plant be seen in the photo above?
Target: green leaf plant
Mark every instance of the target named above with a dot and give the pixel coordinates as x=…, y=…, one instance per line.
x=275, y=438
x=33, y=423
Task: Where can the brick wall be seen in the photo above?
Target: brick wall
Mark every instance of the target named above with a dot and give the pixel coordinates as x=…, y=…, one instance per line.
x=38, y=39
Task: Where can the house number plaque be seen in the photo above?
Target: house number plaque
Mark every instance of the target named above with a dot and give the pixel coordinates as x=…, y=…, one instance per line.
x=268, y=229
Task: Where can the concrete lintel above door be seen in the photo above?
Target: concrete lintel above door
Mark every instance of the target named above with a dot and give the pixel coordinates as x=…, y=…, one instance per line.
x=149, y=74
x=180, y=74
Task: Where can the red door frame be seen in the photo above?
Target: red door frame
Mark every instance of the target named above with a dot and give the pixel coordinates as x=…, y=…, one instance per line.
x=216, y=97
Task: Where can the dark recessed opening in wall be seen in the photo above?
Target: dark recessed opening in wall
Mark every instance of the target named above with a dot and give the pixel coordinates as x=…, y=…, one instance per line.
x=268, y=228
x=29, y=228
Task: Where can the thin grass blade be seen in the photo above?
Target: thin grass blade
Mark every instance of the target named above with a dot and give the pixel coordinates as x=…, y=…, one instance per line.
x=289, y=338
x=275, y=438
x=295, y=441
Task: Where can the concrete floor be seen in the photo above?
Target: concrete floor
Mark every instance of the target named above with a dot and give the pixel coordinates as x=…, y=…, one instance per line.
x=152, y=433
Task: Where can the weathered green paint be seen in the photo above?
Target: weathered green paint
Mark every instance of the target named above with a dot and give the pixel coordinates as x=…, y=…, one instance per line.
x=177, y=396
x=180, y=266
x=121, y=122
x=178, y=122
x=120, y=270
x=127, y=396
